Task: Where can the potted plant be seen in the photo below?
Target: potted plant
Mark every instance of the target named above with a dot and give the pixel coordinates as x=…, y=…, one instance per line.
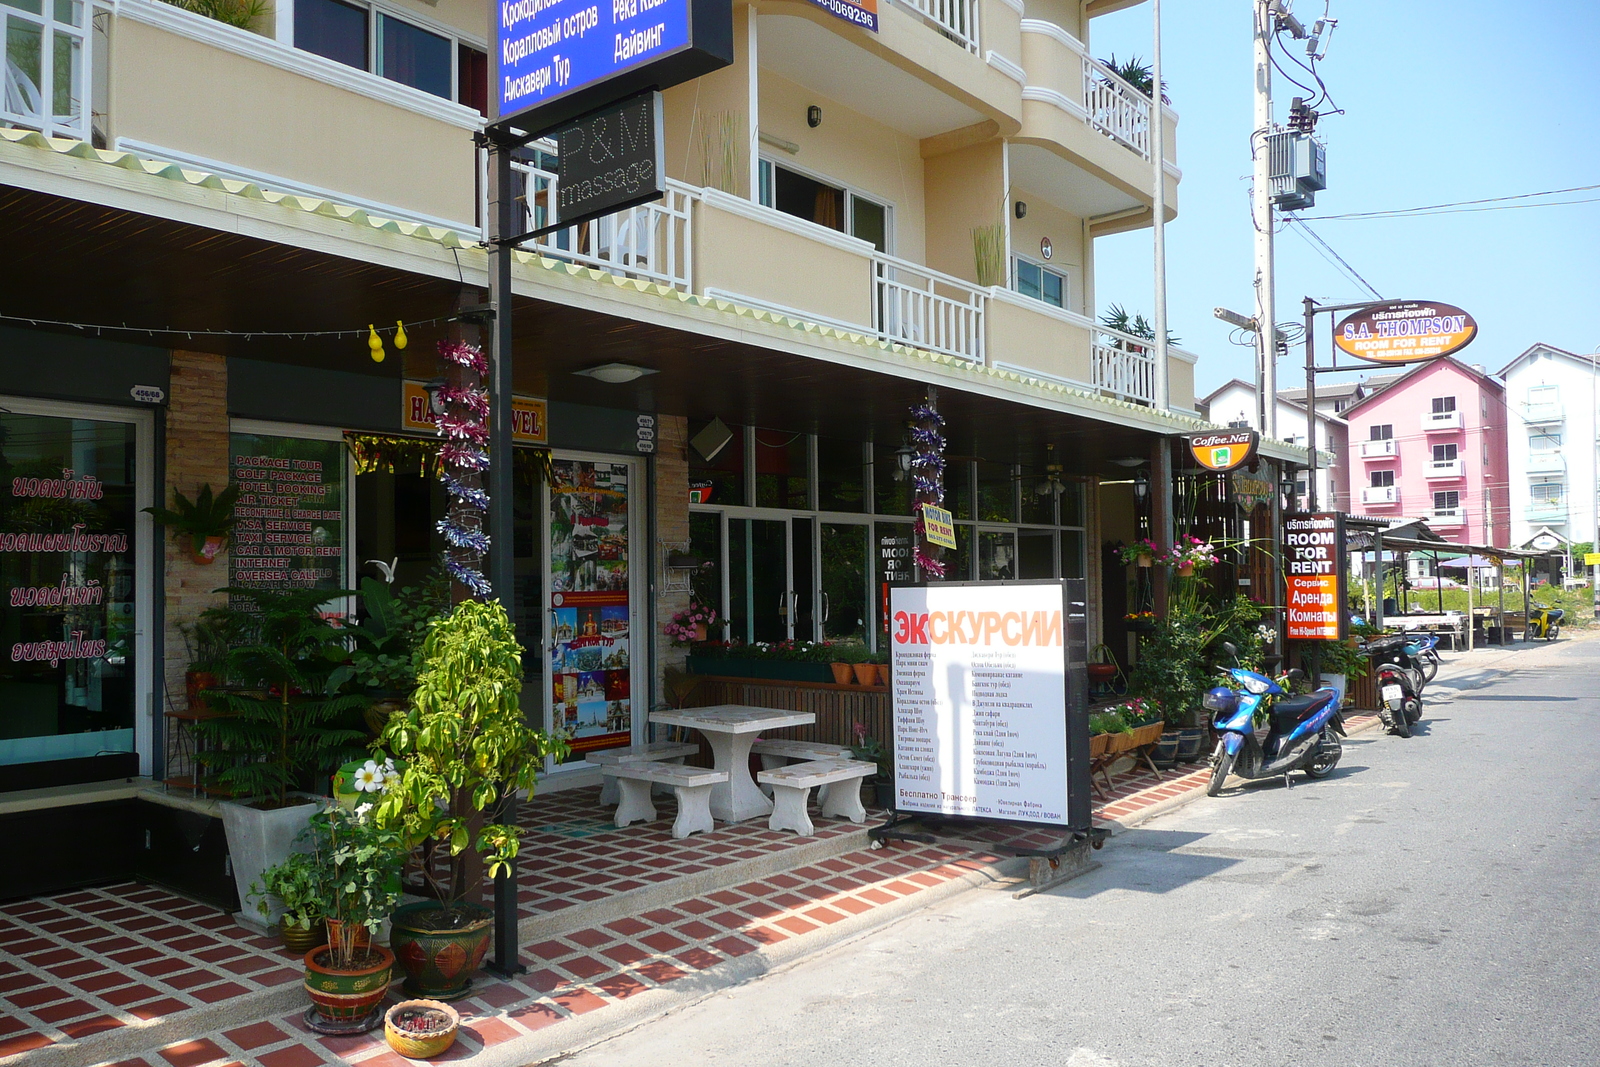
x=689, y=625
x=788, y=660
x=846, y=654
x=1143, y=552
x=358, y=861
x=295, y=889
x=206, y=643
x=880, y=662
x=1338, y=662
x=206, y=520
x=381, y=662
x=421, y=1029
x=870, y=750
x=465, y=745
x=271, y=728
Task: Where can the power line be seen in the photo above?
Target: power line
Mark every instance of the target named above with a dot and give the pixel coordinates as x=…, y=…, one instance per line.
x=1465, y=204
x=1343, y=265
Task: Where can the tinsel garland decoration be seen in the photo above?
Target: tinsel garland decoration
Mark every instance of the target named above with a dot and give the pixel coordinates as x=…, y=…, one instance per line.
x=927, y=478
x=462, y=457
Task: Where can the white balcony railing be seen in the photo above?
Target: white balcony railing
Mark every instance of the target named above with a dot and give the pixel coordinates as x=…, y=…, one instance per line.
x=1433, y=421
x=1380, y=494
x=1545, y=463
x=1546, y=510
x=1116, y=108
x=1447, y=517
x=651, y=241
x=1446, y=468
x=1542, y=413
x=1383, y=448
x=1123, y=366
x=44, y=72
x=927, y=309
x=956, y=19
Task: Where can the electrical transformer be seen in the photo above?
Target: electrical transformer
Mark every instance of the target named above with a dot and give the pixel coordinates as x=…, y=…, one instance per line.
x=1297, y=169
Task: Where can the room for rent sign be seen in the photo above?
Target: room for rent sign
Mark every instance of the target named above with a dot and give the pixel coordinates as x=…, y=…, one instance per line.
x=1313, y=570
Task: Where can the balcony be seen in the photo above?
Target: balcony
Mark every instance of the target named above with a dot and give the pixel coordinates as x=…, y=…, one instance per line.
x=1385, y=448
x=1446, y=517
x=1440, y=421
x=1380, y=494
x=1544, y=413
x=715, y=245
x=1546, y=511
x=1545, y=463
x=1445, y=468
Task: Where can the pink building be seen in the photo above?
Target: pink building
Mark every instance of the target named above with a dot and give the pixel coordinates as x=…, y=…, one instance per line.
x=1431, y=445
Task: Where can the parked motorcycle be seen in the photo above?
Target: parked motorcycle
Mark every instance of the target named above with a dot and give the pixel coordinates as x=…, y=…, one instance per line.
x=1423, y=652
x=1302, y=734
x=1544, y=622
x=1399, y=651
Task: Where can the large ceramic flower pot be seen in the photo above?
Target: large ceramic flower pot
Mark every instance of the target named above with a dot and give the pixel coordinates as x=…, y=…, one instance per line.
x=346, y=996
x=259, y=838
x=439, y=959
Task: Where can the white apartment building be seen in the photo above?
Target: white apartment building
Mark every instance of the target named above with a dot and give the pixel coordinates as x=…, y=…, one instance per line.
x=1551, y=397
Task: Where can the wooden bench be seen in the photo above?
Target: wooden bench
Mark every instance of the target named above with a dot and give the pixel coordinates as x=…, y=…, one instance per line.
x=658, y=751
x=777, y=753
x=792, y=785
x=692, y=784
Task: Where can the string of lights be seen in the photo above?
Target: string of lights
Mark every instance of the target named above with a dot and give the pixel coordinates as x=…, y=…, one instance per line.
x=397, y=331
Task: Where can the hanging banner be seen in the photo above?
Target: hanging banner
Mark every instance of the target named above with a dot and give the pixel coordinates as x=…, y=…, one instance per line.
x=1403, y=331
x=863, y=13
x=1313, y=569
x=980, y=699
x=1224, y=451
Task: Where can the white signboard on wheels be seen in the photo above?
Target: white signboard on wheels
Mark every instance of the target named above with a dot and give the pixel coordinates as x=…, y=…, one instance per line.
x=980, y=700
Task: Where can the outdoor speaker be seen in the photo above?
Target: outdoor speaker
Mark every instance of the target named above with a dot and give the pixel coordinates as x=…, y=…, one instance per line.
x=711, y=440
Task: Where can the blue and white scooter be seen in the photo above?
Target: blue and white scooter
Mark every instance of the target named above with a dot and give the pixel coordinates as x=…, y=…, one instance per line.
x=1302, y=732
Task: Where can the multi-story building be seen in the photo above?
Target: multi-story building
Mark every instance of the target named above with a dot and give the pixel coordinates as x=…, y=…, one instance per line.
x=1234, y=404
x=1431, y=445
x=1550, y=395
x=209, y=227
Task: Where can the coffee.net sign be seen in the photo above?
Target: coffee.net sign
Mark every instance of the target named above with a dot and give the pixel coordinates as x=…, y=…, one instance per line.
x=1313, y=571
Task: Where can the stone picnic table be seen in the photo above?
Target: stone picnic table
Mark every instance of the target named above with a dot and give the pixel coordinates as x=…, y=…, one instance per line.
x=731, y=729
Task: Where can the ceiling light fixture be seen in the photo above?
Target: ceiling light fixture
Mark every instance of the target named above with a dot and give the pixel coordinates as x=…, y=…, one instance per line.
x=615, y=373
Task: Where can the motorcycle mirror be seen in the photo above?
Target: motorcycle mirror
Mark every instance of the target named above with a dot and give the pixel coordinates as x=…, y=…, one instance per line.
x=1231, y=649
x=1296, y=674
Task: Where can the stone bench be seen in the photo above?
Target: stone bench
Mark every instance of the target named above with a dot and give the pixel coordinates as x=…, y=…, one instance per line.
x=692, y=784
x=777, y=753
x=792, y=785
x=660, y=751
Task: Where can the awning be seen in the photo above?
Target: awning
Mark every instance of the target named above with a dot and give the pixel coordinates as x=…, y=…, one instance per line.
x=1469, y=563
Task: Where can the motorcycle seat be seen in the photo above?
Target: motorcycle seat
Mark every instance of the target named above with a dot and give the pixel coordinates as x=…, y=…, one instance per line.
x=1286, y=714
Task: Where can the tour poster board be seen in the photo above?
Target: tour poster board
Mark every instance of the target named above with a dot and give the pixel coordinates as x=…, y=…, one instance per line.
x=290, y=532
x=990, y=700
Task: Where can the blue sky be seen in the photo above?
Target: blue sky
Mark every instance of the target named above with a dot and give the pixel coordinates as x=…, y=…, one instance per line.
x=1445, y=102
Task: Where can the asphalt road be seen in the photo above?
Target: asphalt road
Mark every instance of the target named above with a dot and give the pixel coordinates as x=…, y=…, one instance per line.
x=1435, y=901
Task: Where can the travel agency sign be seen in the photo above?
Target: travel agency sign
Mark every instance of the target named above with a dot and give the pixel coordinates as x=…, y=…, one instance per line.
x=1404, y=331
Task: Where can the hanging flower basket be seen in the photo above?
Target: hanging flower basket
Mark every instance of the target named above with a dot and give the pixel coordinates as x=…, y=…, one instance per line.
x=1186, y=569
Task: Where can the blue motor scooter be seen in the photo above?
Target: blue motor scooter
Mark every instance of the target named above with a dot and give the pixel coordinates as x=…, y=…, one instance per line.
x=1303, y=732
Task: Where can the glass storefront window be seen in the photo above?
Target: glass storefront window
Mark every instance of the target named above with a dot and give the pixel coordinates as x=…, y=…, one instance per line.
x=841, y=475
x=1036, y=553
x=1036, y=506
x=958, y=488
x=783, y=469
x=892, y=486
x=1071, y=499
x=844, y=580
x=719, y=480
x=894, y=544
x=997, y=493
x=705, y=583
x=997, y=555
x=1072, y=560
x=958, y=564
x=67, y=551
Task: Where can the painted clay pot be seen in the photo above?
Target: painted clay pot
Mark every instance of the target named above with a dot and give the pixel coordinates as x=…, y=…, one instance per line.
x=421, y=1029
x=842, y=674
x=344, y=996
x=301, y=939
x=866, y=673
x=439, y=961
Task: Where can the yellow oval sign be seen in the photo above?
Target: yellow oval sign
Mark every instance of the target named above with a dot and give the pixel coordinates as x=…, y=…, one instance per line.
x=1403, y=331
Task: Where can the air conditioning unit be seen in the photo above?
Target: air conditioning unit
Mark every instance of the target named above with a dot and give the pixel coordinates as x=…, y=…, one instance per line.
x=1297, y=169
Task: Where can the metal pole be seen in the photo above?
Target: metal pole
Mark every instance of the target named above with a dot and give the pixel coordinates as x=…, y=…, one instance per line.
x=1311, y=406
x=1594, y=478
x=1266, y=309
x=1158, y=136
x=502, y=566
x=1377, y=567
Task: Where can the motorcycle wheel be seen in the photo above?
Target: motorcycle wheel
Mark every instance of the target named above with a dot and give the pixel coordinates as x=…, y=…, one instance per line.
x=1222, y=766
x=1398, y=723
x=1555, y=631
x=1430, y=667
x=1412, y=710
x=1533, y=631
x=1328, y=752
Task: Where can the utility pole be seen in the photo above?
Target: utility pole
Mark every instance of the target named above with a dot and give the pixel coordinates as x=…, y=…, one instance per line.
x=1261, y=208
x=1158, y=155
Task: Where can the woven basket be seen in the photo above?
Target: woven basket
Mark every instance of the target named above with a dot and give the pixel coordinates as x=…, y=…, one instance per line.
x=420, y=1046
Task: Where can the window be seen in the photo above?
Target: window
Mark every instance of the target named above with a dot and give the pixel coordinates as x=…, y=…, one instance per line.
x=1382, y=479
x=1239, y=424
x=1443, y=405
x=1039, y=282
x=1545, y=441
x=370, y=38
x=825, y=204
x=1547, y=494
x=1542, y=394
x=1382, y=432
x=41, y=66
x=1339, y=405
x=1447, y=500
x=1444, y=453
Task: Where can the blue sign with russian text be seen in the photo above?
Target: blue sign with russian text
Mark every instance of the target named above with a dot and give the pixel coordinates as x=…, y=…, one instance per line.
x=550, y=49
